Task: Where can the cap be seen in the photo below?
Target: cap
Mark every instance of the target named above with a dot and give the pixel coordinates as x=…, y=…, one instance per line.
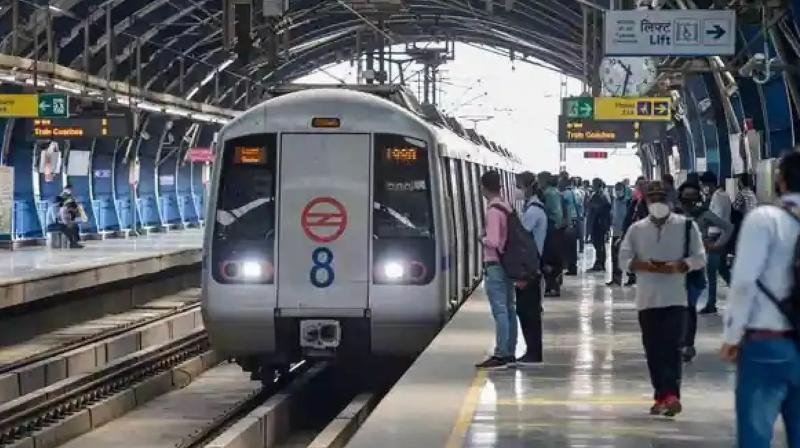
x=655, y=188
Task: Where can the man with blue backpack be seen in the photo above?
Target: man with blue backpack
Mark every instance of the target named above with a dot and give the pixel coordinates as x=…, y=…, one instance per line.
x=762, y=321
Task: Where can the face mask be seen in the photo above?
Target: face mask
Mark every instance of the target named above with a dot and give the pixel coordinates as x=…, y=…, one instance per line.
x=619, y=194
x=658, y=210
x=519, y=194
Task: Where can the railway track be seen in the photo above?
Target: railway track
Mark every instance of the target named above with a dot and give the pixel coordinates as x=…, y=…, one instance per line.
x=34, y=413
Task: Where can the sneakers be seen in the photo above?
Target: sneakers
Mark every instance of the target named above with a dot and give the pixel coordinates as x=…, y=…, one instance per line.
x=672, y=406
x=708, y=310
x=668, y=407
x=630, y=282
x=527, y=361
x=614, y=283
x=688, y=353
x=658, y=408
x=493, y=363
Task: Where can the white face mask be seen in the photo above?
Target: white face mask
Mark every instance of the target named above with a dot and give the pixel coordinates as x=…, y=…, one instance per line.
x=519, y=194
x=658, y=210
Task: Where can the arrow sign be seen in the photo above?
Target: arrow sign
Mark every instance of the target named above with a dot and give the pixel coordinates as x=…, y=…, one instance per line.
x=660, y=108
x=586, y=110
x=716, y=32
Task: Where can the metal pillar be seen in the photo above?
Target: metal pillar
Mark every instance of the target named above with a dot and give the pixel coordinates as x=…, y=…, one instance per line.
x=562, y=153
x=426, y=84
x=371, y=65
x=585, y=55
x=15, y=28
x=109, y=43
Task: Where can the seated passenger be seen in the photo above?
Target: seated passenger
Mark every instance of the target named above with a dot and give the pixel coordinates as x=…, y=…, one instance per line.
x=68, y=215
x=654, y=248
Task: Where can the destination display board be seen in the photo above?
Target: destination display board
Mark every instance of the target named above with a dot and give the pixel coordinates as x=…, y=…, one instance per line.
x=82, y=127
x=595, y=131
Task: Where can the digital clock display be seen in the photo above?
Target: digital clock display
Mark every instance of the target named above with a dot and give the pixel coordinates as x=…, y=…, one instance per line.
x=402, y=154
x=250, y=155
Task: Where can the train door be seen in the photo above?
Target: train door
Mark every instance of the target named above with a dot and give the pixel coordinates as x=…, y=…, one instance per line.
x=324, y=234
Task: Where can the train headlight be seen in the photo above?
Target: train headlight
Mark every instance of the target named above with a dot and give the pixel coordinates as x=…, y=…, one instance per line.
x=252, y=270
x=393, y=270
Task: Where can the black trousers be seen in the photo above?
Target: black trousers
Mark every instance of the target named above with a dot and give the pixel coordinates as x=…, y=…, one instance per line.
x=599, y=243
x=571, y=248
x=529, y=311
x=71, y=232
x=616, y=272
x=553, y=259
x=690, y=332
x=662, y=335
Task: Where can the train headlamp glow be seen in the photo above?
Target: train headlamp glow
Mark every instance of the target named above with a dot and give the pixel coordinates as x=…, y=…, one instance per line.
x=251, y=270
x=393, y=270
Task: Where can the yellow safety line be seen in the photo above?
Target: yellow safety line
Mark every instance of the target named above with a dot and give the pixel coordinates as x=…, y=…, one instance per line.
x=467, y=411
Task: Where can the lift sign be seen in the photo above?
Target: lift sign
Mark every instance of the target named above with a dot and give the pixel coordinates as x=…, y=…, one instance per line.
x=324, y=220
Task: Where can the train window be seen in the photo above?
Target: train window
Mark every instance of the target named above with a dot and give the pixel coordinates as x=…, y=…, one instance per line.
x=402, y=206
x=245, y=217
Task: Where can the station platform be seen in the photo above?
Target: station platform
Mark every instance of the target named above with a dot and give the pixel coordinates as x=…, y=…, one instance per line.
x=593, y=390
x=34, y=273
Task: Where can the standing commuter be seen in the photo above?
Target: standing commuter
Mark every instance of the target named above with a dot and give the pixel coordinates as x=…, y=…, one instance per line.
x=672, y=193
x=571, y=229
x=637, y=210
x=758, y=336
x=553, y=255
x=580, y=202
x=691, y=201
x=720, y=203
x=600, y=222
x=499, y=288
x=619, y=209
x=655, y=248
x=529, y=294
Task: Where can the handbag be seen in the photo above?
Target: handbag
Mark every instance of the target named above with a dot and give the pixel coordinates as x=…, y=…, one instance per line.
x=694, y=279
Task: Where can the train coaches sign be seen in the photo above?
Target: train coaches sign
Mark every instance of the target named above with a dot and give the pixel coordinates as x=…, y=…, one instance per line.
x=695, y=32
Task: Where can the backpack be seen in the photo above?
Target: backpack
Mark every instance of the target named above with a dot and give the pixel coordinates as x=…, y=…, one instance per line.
x=789, y=306
x=520, y=257
x=695, y=279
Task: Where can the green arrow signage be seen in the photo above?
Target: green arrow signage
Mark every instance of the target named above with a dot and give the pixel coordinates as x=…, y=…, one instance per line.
x=578, y=107
x=53, y=105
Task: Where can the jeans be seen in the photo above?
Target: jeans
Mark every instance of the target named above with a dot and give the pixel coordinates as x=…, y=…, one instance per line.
x=500, y=291
x=529, y=311
x=690, y=331
x=71, y=232
x=716, y=265
x=767, y=383
x=662, y=334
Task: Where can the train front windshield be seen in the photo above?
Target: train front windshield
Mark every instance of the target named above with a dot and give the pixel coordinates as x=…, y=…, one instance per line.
x=244, y=224
x=403, y=227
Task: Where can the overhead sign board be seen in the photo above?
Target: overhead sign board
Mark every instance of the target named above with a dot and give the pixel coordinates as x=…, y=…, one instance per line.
x=572, y=130
x=83, y=127
x=32, y=105
x=618, y=108
x=677, y=32
x=578, y=107
x=636, y=109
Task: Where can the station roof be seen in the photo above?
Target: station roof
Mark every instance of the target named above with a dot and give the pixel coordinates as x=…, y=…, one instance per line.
x=167, y=34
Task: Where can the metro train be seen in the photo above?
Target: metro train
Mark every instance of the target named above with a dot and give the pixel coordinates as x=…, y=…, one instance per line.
x=342, y=222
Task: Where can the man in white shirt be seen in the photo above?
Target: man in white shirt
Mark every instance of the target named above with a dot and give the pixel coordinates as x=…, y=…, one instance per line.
x=656, y=249
x=720, y=205
x=757, y=335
